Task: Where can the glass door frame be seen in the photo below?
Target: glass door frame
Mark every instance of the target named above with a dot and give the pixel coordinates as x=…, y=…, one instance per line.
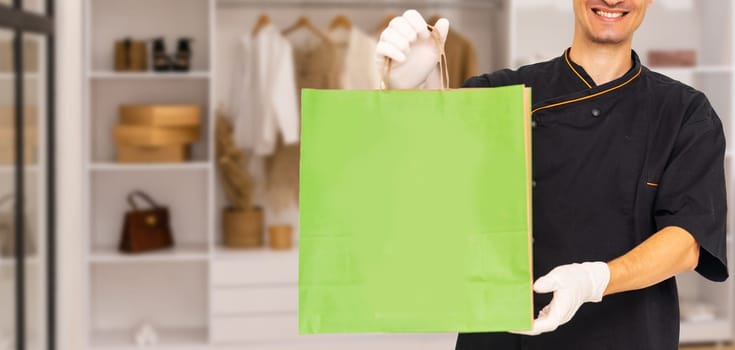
x=20, y=21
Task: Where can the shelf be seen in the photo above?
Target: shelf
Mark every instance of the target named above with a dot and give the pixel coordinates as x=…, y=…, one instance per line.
x=4, y=261
x=223, y=253
x=177, y=254
x=10, y=169
x=697, y=69
x=185, y=339
x=149, y=75
x=11, y=76
x=714, y=69
x=149, y=167
x=707, y=331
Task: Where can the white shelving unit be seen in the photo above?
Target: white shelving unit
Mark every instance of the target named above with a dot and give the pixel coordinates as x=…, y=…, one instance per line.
x=201, y=295
x=167, y=289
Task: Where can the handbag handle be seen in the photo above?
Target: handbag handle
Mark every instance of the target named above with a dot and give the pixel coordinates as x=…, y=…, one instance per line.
x=443, y=67
x=141, y=194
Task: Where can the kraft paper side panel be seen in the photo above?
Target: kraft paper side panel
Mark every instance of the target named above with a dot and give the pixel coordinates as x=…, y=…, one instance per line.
x=413, y=211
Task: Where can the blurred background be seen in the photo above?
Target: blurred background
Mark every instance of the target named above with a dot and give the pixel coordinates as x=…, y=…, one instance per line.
x=102, y=98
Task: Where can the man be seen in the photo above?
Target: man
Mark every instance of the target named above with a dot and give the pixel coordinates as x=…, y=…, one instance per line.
x=628, y=182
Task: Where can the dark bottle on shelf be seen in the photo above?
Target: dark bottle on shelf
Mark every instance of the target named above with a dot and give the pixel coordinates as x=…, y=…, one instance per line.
x=161, y=61
x=182, y=61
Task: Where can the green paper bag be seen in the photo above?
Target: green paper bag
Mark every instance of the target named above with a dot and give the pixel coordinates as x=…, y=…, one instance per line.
x=415, y=211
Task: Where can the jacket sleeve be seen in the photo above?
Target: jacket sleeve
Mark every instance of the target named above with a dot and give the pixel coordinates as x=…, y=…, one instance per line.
x=691, y=192
x=480, y=81
x=503, y=77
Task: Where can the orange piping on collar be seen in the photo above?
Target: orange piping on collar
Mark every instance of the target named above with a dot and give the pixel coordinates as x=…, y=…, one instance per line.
x=590, y=96
x=566, y=57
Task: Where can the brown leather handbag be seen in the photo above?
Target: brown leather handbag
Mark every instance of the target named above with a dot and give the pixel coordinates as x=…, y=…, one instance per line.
x=147, y=229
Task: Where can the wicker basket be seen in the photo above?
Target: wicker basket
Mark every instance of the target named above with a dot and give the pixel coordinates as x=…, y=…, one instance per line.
x=243, y=229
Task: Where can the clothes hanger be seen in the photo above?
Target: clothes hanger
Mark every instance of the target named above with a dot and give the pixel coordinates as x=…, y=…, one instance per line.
x=340, y=21
x=263, y=21
x=305, y=23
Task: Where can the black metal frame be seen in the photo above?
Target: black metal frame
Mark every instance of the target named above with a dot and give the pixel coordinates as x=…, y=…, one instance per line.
x=21, y=21
x=14, y=17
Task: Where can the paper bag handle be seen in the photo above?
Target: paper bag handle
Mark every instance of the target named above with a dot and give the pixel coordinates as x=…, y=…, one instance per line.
x=443, y=68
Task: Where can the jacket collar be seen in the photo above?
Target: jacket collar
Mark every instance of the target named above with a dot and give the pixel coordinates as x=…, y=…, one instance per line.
x=588, y=90
x=588, y=81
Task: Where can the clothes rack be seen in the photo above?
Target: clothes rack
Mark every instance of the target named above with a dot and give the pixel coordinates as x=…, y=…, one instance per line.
x=445, y=4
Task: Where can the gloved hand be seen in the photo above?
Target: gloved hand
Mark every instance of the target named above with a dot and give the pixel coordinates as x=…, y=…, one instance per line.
x=409, y=44
x=573, y=285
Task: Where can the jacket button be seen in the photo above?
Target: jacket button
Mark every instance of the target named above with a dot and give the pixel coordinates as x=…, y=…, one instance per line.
x=533, y=124
x=533, y=183
x=596, y=113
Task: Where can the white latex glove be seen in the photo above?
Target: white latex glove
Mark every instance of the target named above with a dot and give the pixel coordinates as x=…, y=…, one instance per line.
x=408, y=43
x=573, y=285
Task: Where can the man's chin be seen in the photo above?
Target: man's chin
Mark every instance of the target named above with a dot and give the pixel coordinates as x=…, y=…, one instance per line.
x=608, y=39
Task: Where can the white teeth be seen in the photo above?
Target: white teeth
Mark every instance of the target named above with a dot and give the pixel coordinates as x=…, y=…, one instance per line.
x=609, y=14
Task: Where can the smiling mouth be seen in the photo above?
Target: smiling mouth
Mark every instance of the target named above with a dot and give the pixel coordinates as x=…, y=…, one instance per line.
x=609, y=14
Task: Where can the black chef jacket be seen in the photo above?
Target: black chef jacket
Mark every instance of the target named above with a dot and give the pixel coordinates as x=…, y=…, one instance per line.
x=612, y=165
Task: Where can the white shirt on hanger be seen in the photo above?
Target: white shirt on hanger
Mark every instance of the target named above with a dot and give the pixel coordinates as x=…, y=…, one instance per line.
x=263, y=97
x=359, y=70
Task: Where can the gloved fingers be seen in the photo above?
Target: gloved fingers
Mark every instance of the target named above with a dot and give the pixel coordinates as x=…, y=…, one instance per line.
x=535, y=330
x=400, y=25
x=396, y=39
x=551, y=316
x=418, y=23
x=385, y=49
x=546, y=284
x=552, y=319
x=442, y=25
x=571, y=306
x=538, y=323
x=545, y=310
